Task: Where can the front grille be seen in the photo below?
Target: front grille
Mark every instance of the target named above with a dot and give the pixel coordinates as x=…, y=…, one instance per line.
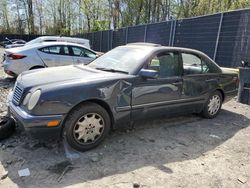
x=17, y=95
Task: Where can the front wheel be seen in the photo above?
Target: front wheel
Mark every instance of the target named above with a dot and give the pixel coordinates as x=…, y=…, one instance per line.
x=213, y=105
x=87, y=126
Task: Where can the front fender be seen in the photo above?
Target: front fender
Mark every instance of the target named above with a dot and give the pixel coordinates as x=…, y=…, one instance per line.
x=61, y=100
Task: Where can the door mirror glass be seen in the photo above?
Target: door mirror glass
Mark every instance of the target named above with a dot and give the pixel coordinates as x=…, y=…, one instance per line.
x=147, y=73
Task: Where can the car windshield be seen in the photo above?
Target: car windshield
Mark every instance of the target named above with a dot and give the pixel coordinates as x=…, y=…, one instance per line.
x=120, y=59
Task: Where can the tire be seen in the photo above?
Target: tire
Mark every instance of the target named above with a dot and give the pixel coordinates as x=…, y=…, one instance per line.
x=7, y=127
x=213, y=105
x=87, y=126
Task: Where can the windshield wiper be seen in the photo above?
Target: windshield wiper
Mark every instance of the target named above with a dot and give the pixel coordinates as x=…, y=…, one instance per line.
x=111, y=70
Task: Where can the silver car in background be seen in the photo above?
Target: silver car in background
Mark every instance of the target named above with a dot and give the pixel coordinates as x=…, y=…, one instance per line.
x=81, y=41
x=47, y=54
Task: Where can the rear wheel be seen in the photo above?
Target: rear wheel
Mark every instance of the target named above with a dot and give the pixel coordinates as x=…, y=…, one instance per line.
x=212, y=106
x=87, y=126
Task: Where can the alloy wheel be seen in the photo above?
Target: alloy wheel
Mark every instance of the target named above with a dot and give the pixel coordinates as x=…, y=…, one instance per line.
x=88, y=128
x=214, y=104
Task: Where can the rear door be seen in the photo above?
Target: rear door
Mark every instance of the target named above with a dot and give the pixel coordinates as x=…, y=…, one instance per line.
x=56, y=55
x=82, y=55
x=199, y=81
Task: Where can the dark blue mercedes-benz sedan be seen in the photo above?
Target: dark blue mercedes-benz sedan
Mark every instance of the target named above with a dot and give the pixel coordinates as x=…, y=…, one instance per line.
x=129, y=83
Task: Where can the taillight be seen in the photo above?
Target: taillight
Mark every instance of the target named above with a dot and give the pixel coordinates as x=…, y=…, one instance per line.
x=15, y=56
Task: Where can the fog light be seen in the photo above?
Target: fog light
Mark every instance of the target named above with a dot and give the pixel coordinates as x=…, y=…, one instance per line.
x=53, y=123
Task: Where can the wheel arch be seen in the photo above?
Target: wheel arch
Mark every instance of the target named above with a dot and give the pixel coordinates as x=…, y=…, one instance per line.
x=102, y=103
x=36, y=67
x=222, y=94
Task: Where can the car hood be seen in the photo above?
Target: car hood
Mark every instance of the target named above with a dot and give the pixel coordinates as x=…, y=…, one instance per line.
x=64, y=74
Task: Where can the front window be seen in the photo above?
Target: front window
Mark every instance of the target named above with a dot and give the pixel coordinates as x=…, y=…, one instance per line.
x=126, y=59
x=166, y=63
x=81, y=52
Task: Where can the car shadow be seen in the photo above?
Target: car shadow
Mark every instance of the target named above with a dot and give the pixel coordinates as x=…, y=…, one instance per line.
x=154, y=143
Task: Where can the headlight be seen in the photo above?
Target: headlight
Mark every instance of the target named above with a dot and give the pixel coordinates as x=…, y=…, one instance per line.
x=34, y=99
x=26, y=99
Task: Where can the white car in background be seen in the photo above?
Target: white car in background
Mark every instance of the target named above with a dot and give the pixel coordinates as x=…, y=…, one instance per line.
x=84, y=42
x=47, y=54
x=81, y=41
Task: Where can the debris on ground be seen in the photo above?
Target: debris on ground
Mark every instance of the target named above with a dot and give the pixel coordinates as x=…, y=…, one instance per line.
x=242, y=180
x=24, y=172
x=9, y=162
x=136, y=185
x=4, y=175
x=151, y=140
x=214, y=136
x=67, y=169
x=61, y=168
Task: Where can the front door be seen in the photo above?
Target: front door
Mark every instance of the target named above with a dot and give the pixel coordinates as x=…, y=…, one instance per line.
x=198, y=81
x=153, y=97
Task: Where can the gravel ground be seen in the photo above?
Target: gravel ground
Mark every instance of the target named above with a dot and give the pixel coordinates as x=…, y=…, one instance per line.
x=185, y=151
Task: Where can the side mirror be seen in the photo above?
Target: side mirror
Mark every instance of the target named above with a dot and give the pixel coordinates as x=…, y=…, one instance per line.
x=146, y=73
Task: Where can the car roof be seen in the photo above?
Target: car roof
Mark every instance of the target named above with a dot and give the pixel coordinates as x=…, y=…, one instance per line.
x=62, y=43
x=44, y=44
x=61, y=37
x=156, y=47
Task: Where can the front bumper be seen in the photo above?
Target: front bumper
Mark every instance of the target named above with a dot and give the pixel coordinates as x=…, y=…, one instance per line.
x=36, y=126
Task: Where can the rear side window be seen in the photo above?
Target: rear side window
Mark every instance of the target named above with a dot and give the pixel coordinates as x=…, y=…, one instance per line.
x=193, y=64
x=51, y=49
x=82, y=52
